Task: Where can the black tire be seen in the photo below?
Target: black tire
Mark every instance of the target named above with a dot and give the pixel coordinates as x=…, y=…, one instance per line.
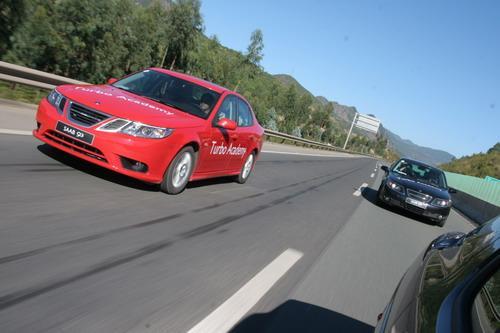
x=440, y=223
x=379, y=201
x=244, y=175
x=175, y=181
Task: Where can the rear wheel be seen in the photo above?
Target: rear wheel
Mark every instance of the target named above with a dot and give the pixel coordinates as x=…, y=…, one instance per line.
x=246, y=169
x=179, y=172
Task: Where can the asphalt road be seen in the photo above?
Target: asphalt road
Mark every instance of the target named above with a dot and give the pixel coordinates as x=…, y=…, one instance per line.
x=83, y=249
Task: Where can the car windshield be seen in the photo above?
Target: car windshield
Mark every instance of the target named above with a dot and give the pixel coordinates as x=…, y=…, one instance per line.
x=420, y=172
x=172, y=91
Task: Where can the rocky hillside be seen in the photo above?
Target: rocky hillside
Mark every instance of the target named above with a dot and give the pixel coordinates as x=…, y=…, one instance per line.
x=403, y=147
x=409, y=149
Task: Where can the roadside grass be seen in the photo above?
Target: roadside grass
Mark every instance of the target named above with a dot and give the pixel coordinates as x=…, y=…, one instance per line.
x=21, y=93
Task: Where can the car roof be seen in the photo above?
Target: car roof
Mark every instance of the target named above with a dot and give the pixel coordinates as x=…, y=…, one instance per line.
x=193, y=79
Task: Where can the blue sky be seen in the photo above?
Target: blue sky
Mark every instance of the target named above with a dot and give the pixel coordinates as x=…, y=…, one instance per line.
x=430, y=70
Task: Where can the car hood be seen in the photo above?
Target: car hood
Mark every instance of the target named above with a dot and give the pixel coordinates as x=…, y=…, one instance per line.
x=421, y=187
x=122, y=104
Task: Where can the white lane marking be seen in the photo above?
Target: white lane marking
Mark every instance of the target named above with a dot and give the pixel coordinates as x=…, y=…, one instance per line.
x=17, y=132
x=358, y=192
x=302, y=154
x=372, y=175
x=235, y=307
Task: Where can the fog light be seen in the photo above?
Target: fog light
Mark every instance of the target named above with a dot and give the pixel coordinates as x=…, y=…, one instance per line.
x=133, y=165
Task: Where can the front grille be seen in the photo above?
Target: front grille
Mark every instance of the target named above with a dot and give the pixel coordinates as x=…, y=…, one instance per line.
x=85, y=116
x=418, y=195
x=75, y=145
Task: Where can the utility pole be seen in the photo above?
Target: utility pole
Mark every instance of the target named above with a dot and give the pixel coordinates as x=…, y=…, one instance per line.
x=350, y=130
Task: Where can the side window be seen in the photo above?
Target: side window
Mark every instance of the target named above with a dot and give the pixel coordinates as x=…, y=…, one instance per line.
x=227, y=109
x=486, y=307
x=244, y=114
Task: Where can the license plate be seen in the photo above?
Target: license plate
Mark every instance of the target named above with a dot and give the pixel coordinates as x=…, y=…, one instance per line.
x=417, y=203
x=74, y=132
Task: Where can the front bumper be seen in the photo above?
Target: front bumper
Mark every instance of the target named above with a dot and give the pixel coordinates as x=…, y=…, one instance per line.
x=107, y=149
x=398, y=199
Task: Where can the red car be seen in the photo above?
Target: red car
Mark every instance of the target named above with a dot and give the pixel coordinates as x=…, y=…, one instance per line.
x=155, y=125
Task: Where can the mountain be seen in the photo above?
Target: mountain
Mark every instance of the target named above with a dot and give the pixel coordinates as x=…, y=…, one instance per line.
x=477, y=165
x=322, y=100
x=409, y=149
x=287, y=80
x=344, y=114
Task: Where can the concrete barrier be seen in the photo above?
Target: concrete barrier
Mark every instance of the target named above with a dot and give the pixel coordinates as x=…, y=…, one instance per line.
x=477, y=210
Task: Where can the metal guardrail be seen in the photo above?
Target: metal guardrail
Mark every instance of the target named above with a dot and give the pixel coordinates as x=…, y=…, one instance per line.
x=39, y=79
x=32, y=77
x=308, y=143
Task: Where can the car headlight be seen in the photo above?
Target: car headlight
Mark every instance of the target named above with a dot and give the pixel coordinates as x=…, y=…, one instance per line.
x=136, y=129
x=441, y=202
x=395, y=186
x=56, y=99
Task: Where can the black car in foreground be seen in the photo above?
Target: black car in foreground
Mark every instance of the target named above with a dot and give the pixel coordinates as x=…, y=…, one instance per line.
x=418, y=188
x=453, y=286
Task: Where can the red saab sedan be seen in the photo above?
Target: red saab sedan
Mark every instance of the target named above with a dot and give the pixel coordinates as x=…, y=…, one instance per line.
x=155, y=125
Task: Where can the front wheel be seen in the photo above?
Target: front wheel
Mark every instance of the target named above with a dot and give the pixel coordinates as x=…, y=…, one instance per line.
x=378, y=199
x=179, y=172
x=246, y=169
x=441, y=222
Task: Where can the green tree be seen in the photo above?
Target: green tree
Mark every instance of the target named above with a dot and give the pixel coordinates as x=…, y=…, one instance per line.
x=256, y=47
x=297, y=132
x=184, y=24
x=12, y=12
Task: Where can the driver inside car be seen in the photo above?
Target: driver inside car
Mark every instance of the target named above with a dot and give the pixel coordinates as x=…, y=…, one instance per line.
x=206, y=103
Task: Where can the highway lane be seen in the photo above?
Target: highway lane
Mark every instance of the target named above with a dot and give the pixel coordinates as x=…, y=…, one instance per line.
x=84, y=249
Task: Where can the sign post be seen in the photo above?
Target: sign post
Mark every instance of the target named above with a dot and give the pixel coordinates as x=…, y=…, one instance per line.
x=350, y=129
x=365, y=122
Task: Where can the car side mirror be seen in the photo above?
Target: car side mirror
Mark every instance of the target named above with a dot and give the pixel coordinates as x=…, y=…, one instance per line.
x=385, y=168
x=227, y=124
x=112, y=80
x=452, y=190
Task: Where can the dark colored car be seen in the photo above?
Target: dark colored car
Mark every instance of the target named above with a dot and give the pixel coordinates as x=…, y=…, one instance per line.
x=453, y=286
x=418, y=188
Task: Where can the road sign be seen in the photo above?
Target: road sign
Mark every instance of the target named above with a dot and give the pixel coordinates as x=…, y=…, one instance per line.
x=368, y=123
x=363, y=121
